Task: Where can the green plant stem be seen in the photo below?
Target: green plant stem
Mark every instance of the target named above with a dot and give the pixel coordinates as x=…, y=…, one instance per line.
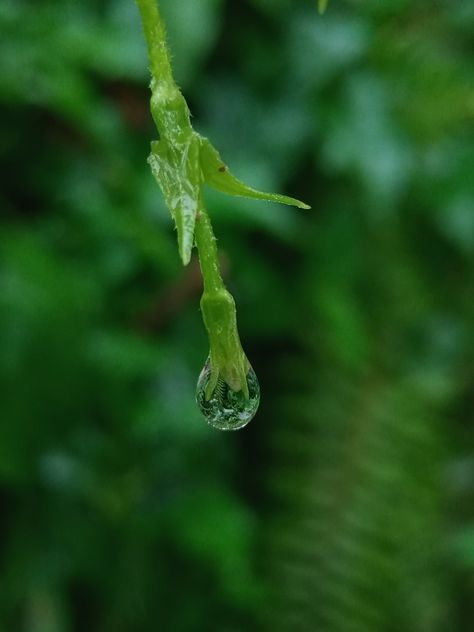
x=180, y=159
x=155, y=36
x=163, y=81
x=207, y=250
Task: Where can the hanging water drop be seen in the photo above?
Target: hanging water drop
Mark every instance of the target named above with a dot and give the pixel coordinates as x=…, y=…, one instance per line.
x=227, y=409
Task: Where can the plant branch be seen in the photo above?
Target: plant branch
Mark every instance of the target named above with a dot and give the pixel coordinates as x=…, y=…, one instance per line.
x=155, y=36
x=207, y=250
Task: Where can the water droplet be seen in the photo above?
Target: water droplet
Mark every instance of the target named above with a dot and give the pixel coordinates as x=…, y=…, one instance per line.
x=227, y=409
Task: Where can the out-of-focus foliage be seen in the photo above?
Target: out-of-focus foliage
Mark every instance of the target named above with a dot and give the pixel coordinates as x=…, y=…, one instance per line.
x=347, y=504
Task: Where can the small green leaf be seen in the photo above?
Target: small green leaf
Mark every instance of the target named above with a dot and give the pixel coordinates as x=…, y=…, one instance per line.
x=217, y=175
x=176, y=168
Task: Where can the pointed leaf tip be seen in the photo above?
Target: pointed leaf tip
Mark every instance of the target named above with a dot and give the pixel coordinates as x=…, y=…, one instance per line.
x=217, y=175
x=185, y=256
x=304, y=206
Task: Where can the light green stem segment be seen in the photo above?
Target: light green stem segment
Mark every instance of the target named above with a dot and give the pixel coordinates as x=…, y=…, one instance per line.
x=228, y=359
x=207, y=249
x=168, y=106
x=155, y=36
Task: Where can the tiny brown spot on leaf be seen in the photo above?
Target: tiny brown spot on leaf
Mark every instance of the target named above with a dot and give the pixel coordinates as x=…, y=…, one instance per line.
x=222, y=168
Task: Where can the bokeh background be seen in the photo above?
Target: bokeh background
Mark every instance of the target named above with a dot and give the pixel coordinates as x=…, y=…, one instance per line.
x=347, y=505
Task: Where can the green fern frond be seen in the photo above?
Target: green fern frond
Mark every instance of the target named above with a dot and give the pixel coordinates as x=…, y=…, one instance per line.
x=359, y=490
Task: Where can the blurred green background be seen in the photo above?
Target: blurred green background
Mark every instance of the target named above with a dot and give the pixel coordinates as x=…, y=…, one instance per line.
x=347, y=505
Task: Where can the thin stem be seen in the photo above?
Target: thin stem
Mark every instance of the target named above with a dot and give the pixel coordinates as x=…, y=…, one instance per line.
x=163, y=76
x=207, y=250
x=155, y=36
x=180, y=173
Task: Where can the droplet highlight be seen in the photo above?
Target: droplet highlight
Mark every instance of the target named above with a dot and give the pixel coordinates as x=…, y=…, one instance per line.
x=227, y=409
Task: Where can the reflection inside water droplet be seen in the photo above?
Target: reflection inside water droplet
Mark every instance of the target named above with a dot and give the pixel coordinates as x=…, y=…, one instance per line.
x=227, y=409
